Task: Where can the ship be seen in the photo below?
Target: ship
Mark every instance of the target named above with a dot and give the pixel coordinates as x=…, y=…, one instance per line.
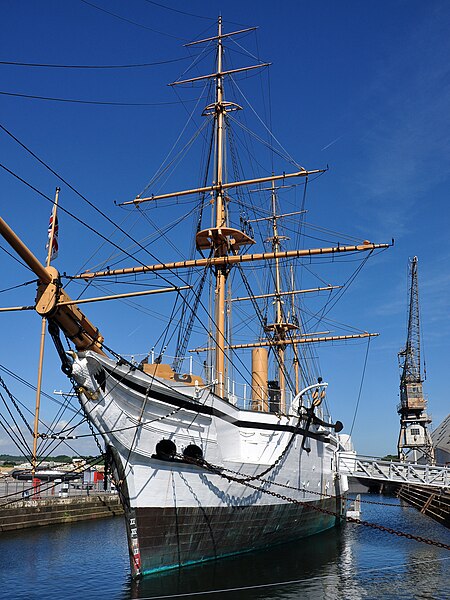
x=207, y=466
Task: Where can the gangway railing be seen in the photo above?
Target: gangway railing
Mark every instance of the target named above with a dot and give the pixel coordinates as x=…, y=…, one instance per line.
x=367, y=467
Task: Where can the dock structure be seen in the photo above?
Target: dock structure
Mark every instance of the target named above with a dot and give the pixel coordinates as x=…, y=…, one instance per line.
x=23, y=505
x=372, y=469
x=54, y=511
x=429, y=501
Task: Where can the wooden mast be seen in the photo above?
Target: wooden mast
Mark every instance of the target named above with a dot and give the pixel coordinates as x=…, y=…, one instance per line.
x=224, y=241
x=221, y=220
x=279, y=327
x=296, y=361
x=51, y=238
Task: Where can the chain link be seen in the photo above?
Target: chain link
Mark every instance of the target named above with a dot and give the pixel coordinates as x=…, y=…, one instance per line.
x=273, y=465
x=101, y=450
x=297, y=489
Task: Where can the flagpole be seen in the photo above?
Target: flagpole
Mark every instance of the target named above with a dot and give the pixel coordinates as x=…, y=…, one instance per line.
x=51, y=236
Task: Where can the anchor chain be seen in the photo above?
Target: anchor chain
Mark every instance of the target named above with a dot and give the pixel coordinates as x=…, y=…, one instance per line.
x=297, y=489
x=276, y=462
x=376, y=526
x=94, y=435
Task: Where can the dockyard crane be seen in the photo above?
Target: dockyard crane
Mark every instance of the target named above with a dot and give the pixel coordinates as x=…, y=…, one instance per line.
x=414, y=435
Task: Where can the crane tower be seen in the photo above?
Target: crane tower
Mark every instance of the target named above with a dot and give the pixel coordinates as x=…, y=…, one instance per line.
x=414, y=436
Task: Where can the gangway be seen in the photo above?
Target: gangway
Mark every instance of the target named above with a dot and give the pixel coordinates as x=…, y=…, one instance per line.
x=375, y=469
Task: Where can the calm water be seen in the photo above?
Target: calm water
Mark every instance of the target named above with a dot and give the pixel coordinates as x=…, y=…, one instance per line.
x=87, y=561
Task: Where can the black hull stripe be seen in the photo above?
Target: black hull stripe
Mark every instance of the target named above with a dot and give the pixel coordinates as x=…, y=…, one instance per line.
x=180, y=402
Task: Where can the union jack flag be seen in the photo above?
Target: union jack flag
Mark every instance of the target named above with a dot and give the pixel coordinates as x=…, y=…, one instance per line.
x=54, y=252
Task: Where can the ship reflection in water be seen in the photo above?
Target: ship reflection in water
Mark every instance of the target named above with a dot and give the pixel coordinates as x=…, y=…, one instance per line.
x=314, y=563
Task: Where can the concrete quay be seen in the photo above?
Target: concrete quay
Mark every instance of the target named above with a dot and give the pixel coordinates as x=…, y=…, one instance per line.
x=52, y=511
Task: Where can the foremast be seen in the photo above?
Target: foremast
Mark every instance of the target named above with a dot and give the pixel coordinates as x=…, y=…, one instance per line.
x=223, y=241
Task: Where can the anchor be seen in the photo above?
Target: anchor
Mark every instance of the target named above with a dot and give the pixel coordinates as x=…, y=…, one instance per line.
x=317, y=397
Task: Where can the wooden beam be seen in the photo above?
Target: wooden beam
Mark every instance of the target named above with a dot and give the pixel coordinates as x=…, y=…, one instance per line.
x=272, y=217
x=232, y=260
x=222, y=186
x=15, y=308
x=127, y=295
x=25, y=253
x=291, y=342
x=222, y=36
x=220, y=74
x=289, y=293
x=70, y=319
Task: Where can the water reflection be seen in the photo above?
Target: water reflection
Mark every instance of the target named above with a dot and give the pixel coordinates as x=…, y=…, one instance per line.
x=304, y=560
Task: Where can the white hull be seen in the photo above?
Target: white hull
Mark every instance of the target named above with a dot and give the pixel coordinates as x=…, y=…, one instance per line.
x=241, y=443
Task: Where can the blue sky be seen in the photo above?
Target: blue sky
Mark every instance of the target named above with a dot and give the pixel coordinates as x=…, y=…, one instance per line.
x=363, y=87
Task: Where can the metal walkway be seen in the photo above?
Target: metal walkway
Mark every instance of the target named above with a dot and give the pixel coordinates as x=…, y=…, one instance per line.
x=365, y=467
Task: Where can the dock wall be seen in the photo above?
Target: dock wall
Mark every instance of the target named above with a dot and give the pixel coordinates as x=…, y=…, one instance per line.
x=53, y=511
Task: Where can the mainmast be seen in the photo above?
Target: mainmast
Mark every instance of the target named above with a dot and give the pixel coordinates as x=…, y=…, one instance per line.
x=221, y=239
x=220, y=248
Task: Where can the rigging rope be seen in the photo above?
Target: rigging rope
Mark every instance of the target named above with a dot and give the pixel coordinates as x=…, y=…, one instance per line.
x=60, y=66
x=94, y=102
x=16, y=406
x=184, y=333
x=108, y=12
